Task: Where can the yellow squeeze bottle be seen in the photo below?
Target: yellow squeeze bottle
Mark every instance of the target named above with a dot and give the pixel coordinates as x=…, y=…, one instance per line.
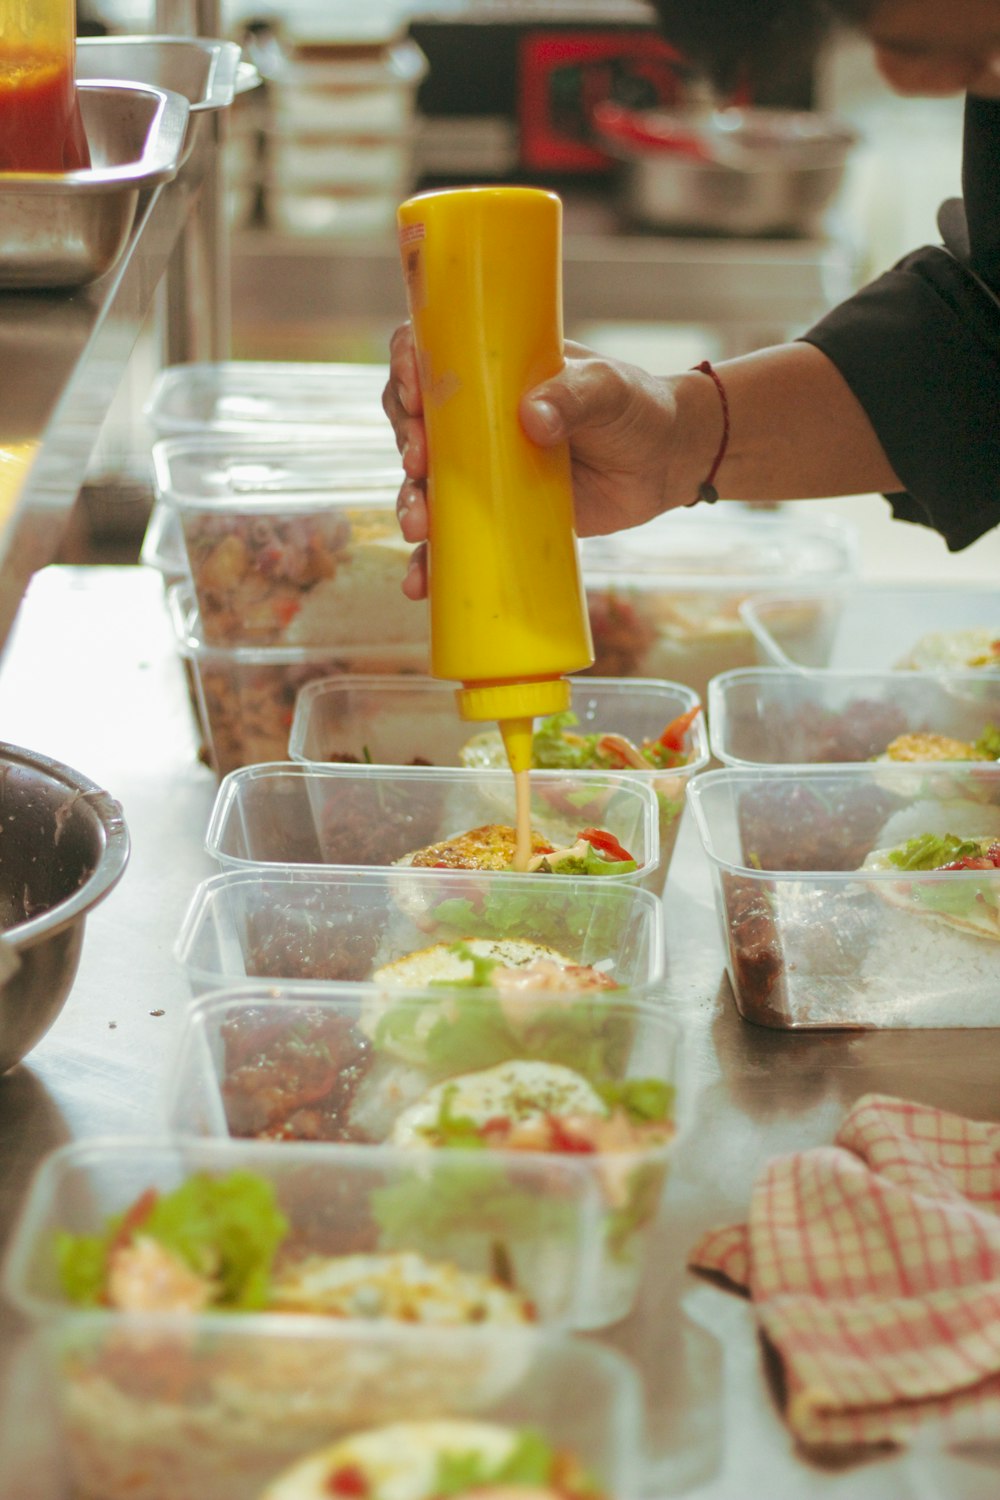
x=483, y=269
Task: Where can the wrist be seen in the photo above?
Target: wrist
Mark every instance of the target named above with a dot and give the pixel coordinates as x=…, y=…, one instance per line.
x=697, y=433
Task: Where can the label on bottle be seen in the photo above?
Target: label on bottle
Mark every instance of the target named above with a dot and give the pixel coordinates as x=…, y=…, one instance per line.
x=410, y=237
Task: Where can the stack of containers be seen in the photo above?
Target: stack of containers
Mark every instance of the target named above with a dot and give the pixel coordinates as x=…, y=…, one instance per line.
x=854, y=831
x=274, y=528
x=342, y=90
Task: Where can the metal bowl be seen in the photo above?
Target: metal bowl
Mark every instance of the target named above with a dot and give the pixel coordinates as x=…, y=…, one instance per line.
x=63, y=846
x=732, y=171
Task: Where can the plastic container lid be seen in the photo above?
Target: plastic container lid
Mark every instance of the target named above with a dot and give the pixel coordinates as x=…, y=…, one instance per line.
x=235, y=474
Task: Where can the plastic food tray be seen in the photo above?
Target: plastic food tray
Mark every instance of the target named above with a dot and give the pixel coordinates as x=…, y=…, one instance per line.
x=245, y=695
x=392, y=721
x=66, y=229
x=769, y=716
x=812, y=940
x=255, y=396
x=383, y=1050
x=294, y=546
x=363, y=817
x=325, y=928
x=213, y=1405
x=866, y=627
x=664, y=598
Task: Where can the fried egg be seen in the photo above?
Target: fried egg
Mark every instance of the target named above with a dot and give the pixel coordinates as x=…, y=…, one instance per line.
x=520, y=1089
x=400, y=1286
x=490, y=847
x=402, y=1461
x=446, y=963
x=956, y=649
x=921, y=746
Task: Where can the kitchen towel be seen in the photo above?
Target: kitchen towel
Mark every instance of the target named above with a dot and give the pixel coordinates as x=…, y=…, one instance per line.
x=874, y=1269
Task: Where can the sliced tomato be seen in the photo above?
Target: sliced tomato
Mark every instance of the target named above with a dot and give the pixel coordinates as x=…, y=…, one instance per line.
x=606, y=842
x=349, y=1479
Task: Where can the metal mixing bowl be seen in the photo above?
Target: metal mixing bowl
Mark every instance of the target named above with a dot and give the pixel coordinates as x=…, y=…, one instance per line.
x=63, y=846
x=733, y=171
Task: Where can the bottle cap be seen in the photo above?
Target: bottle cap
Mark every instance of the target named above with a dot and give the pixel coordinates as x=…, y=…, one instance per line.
x=514, y=700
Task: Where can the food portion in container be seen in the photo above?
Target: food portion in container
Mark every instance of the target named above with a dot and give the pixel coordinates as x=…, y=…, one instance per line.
x=210, y=1312
x=468, y=931
x=775, y=716
x=491, y=847
x=654, y=730
x=218, y=1244
x=858, y=896
x=959, y=650
x=432, y=820
x=575, y=1078
x=434, y=1460
x=246, y=695
x=966, y=905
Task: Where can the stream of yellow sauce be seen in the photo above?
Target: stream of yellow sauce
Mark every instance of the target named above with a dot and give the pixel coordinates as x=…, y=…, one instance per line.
x=522, y=819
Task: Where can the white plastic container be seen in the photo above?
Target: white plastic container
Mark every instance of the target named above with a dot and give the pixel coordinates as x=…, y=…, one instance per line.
x=665, y=598
x=212, y=1405
x=322, y=927
x=876, y=627
x=375, y=1055
x=391, y=721
x=289, y=400
x=368, y=817
x=774, y=716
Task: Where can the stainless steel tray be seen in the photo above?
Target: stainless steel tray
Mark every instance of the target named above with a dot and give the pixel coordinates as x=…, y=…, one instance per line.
x=67, y=229
x=206, y=72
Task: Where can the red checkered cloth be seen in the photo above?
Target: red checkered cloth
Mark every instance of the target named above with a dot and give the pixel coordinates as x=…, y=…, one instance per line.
x=874, y=1269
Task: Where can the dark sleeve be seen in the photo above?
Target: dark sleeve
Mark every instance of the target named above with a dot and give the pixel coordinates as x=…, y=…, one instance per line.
x=920, y=348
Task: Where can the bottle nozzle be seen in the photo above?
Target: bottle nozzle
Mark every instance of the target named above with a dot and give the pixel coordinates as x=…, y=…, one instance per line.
x=517, y=738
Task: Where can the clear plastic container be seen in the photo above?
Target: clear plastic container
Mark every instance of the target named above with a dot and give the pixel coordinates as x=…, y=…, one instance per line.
x=294, y=547
x=393, y=721
x=163, y=545
x=363, y=817
x=877, y=627
x=769, y=716
x=383, y=1052
x=813, y=936
x=211, y=1405
x=290, y=399
x=245, y=695
x=665, y=598
x=323, y=927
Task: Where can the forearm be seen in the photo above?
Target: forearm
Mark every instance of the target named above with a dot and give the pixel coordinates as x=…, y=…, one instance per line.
x=796, y=431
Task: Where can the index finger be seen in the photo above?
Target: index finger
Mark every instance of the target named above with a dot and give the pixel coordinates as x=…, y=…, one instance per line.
x=404, y=373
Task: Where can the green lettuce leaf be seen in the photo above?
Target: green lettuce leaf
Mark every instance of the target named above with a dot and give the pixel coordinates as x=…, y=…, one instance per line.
x=530, y=1462
x=987, y=747
x=476, y=1197
x=642, y=1202
x=224, y=1228
x=643, y=1099
x=929, y=851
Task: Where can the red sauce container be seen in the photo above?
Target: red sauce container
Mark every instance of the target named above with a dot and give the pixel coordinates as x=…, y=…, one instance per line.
x=40, y=125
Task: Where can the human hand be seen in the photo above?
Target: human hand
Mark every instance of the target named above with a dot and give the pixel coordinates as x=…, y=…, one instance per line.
x=638, y=444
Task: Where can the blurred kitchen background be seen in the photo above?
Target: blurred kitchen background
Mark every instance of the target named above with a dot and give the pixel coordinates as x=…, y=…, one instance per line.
x=364, y=101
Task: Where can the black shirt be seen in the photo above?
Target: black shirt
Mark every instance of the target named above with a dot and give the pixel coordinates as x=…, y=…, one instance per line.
x=920, y=348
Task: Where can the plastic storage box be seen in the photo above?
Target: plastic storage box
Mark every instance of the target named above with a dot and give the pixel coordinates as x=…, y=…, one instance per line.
x=878, y=628
x=209, y=1406
x=360, y=1065
x=254, y=397
x=360, y=817
x=397, y=721
x=813, y=936
x=768, y=716
x=245, y=695
x=286, y=547
x=664, y=598
x=324, y=927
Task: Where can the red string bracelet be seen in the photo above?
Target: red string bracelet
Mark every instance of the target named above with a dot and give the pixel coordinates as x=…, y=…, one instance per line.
x=707, y=490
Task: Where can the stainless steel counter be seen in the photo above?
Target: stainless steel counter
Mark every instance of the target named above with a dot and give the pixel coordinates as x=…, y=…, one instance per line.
x=90, y=676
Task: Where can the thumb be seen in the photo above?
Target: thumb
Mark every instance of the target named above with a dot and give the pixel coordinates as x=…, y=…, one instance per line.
x=541, y=416
x=589, y=392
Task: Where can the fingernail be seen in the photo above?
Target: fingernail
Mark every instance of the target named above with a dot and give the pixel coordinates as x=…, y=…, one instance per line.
x=548, y=416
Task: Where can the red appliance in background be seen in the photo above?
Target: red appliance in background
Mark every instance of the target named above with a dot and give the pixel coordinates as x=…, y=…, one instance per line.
x=564, y=75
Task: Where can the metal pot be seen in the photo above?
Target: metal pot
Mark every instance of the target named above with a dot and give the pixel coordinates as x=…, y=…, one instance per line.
x=730, y=171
